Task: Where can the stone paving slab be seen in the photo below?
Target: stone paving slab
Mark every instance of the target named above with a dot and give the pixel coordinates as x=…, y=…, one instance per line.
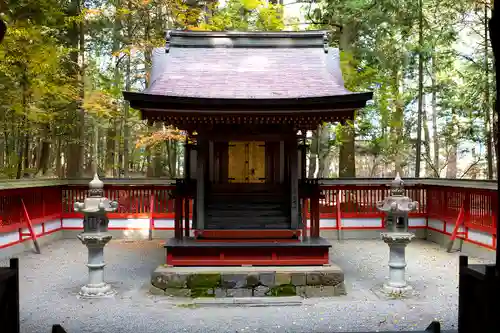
x=49, y=283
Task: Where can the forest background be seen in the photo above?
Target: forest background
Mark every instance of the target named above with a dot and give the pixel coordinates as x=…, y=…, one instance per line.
x=65, y=63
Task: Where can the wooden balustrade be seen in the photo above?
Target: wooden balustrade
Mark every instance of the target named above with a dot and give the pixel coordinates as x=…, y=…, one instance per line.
x=351, y=198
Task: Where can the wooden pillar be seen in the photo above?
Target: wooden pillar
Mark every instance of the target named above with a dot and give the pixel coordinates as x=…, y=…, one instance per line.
x=187, y=160
x=315, y=214
x=200, y=185
x=211, y=161
x=282, y=162
x=187, y=177
x=186, y=216
x=178, y=217
x=305, y=209
x=294, y=184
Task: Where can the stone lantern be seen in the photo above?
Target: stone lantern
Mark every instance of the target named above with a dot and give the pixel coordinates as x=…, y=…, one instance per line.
x=95, y=236
x=397, y=206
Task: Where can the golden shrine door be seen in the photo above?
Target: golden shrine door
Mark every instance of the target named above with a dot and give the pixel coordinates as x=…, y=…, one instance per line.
x=247, y=162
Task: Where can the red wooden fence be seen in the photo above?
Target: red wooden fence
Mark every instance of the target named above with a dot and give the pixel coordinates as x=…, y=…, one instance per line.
x=356, y=201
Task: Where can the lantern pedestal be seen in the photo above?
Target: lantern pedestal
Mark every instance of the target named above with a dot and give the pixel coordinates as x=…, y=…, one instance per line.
x=95, y=236
x=397, y=242
x=96, y=287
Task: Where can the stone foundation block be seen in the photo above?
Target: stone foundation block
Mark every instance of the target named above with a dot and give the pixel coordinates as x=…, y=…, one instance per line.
x=298, y=279
x=282, y=278
x=260, y=291
x=233, y=281
x=239, y=292
x=252, y=280
x=219, y=293
x=177, y=292
x=156, y=291
x=165, y=280
x=267, y=279
x=243, y=282
x=283, y=290
x=313, y=279
x=202, y=292
x=324, y=278
x=331, y=278
x=204, y=281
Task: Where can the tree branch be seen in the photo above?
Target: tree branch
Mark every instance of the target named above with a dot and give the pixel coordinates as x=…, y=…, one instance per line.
x=469, y=168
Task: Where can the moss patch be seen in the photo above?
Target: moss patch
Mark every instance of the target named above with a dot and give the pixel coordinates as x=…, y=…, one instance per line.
x=202, y=292
x=283, y=290
x=204, y=281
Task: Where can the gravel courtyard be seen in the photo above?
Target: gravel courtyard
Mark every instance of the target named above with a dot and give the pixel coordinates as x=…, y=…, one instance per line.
x=49, y=283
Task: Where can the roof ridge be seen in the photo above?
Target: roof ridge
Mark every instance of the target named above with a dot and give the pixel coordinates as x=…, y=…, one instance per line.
x=246, y=39
x=247, y=34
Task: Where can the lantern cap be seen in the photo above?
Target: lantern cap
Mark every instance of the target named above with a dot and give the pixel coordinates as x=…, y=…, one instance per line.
x=96, y=183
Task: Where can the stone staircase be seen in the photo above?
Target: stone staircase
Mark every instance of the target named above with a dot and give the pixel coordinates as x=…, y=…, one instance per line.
x=247, y=207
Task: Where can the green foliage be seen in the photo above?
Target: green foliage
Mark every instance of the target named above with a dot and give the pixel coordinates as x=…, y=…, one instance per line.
x=244, y=15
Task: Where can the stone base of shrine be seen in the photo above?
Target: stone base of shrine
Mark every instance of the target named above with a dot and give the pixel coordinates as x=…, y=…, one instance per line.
x=305, y=281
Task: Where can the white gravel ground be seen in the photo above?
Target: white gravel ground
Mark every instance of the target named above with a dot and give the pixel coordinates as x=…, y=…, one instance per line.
x=50, y=281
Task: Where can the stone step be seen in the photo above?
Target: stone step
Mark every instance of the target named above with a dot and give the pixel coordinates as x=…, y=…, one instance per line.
x=250, y=226
x=246, y=213
x=274, y=200
x=246, y=206
x=248, y=219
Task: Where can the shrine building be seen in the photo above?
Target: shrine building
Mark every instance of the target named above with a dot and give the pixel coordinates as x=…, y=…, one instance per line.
x=246, y=100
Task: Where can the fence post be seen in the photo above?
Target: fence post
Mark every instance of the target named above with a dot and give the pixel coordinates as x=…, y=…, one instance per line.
x=151, y=212
x=14, y=290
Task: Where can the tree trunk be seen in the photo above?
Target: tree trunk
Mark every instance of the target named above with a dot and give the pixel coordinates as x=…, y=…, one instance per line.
x=126, y=107
x=397, y=123
x=429, y=168
x=435, y=134
x=23, y=126
x=486, y=102
x=494, y=29
x=44, y=158
x=451, y=168
x=347, y=160
x=110, y=149
x=76, y=40
x=420, y=89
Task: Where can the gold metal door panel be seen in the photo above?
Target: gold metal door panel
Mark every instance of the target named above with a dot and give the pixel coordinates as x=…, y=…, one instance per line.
x=247, y=162
x=237, y=166
x=257, y=162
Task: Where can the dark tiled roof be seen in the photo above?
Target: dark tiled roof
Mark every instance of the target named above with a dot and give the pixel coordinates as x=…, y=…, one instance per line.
x=246, y=66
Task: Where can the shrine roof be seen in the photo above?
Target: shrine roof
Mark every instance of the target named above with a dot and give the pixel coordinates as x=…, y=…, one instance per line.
x=240, y=67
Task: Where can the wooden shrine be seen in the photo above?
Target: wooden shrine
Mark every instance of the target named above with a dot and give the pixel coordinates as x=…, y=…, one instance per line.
x=246, y=99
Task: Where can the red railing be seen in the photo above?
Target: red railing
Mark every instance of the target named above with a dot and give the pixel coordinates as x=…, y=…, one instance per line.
x=361, y=201
x=132, y=201
x=444, y=203
x=42, y=204
x=355, y=201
